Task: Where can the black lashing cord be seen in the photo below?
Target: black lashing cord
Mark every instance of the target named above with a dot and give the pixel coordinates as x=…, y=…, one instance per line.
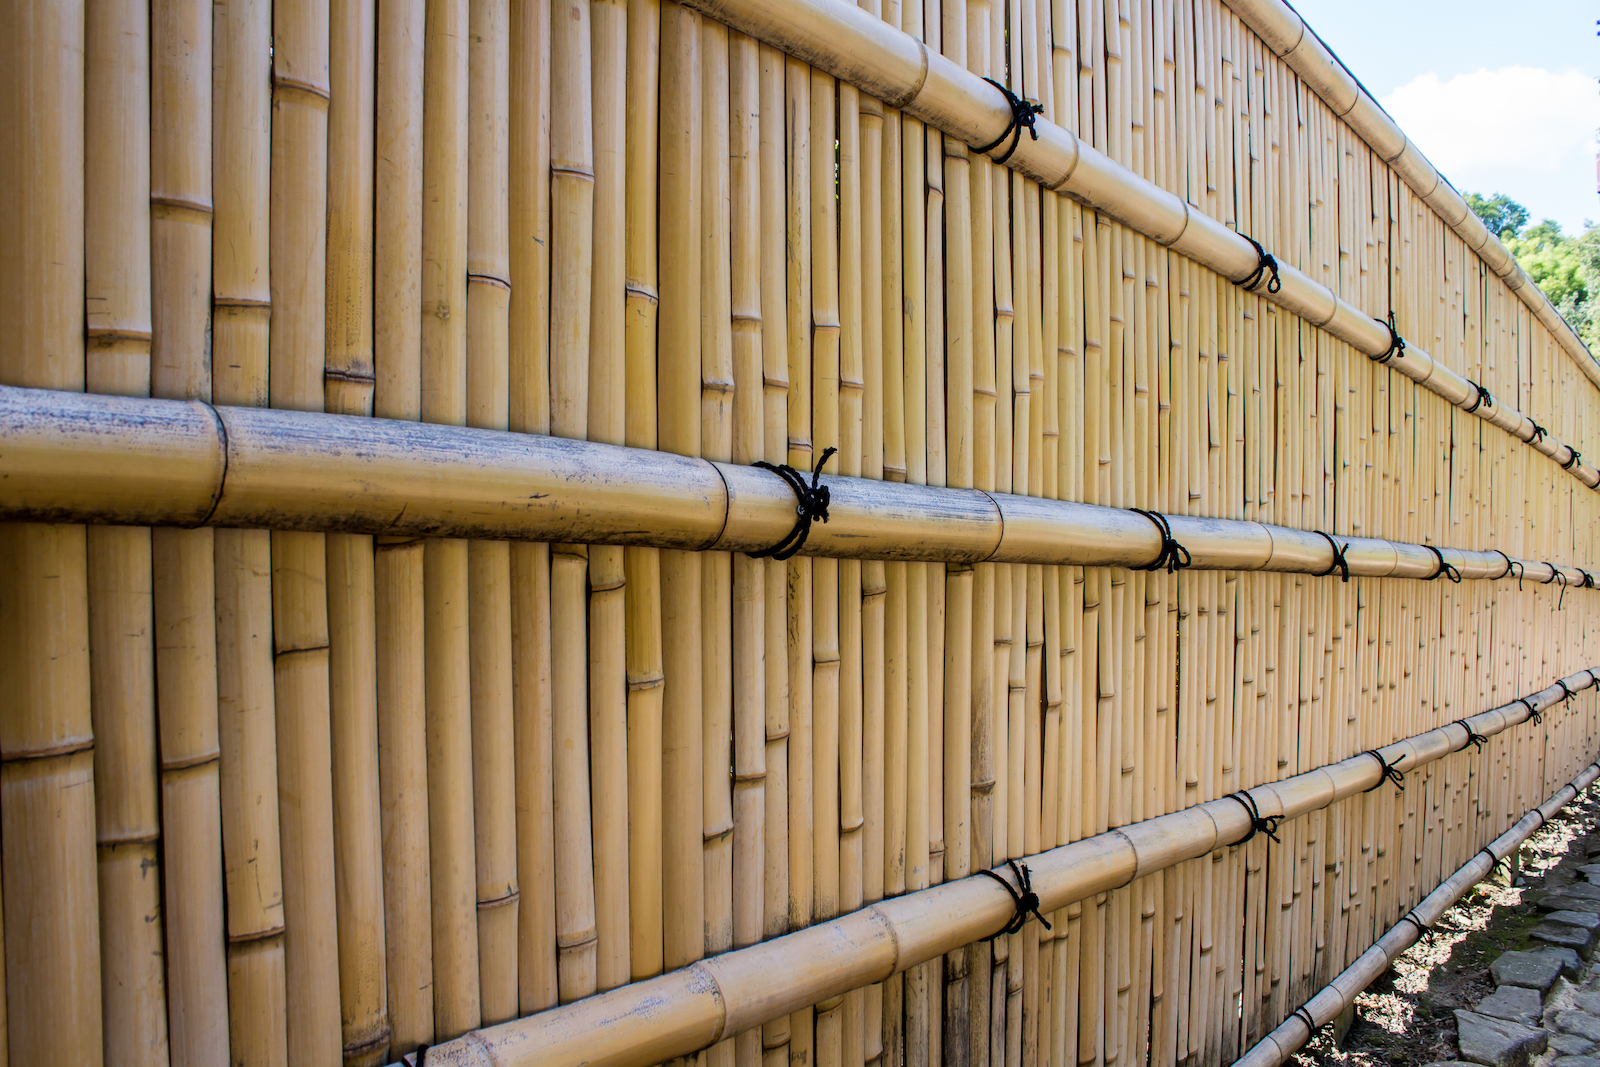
x=813, y=504
x=1023, y=115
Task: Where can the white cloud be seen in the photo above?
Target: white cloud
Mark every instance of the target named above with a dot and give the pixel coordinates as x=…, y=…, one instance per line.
x=1521, y=130
x=1519, y=116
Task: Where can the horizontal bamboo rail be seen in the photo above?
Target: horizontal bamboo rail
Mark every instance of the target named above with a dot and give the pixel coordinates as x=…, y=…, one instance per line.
x=73, y=457
x=899, y=69
x=697, y=1006
x=1282, y=29
x=1336, y=996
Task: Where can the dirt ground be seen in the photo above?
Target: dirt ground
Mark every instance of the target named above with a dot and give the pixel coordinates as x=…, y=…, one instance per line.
x=1405, y=1018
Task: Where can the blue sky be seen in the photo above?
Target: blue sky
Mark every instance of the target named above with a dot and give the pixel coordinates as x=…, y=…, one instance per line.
x=1501, y=97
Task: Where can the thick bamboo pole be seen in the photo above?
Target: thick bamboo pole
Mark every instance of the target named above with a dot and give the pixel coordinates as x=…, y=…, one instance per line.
x=152, y=461
x=678, y=407
x=47, y=810
x=121, y=651
x=398, y=563
x=739, y=989
x=489, y=590
x=241, y=309
x=299, y=563
x=451, y=840
x=182, y=560
x=607, y=421
x=349, y=384
x=528, y=146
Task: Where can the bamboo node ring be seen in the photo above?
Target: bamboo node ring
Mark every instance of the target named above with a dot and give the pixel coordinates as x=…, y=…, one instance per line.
x=1025, y=899
x=1265, y=265
x=1173, y=556
x=1397, y=344
x=1259, y=823
x=1444, y=568
x=813, y=504
x=1391, y=771
x=1023, y=115
x=1339, y=563
x=1473, y=736
x=1484, y=399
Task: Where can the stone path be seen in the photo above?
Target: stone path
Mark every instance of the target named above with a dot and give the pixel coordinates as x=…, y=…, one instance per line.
x=1545, y=1008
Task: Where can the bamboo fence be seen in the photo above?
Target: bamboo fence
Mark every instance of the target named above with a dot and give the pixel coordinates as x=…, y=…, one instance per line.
x=394, y=663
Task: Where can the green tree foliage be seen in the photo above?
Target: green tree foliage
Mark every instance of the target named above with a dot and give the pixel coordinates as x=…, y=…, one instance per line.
x=1499, y=212
x=1566, y=268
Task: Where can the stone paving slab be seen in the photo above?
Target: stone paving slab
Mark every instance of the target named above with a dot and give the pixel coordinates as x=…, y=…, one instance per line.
x=1496, y=1042
x=1516, y=1004
x=1532, y=970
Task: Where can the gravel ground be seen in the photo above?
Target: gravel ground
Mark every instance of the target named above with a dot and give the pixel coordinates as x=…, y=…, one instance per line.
x=1405, y=1018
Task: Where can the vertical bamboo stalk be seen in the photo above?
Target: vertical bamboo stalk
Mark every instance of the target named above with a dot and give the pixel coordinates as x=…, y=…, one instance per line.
x=572, y=235
x=750, y=600
x=398, y=564
x=641, y=566
x=489, y=563
x=608, y=396
x=241, y=302
x=299, y=599
x=716, y=442
x=451, y=840
x=349, y=385
x=678, y=406
x=182, y=560
x=47, y=803
x=529, y=412
x=121, y=650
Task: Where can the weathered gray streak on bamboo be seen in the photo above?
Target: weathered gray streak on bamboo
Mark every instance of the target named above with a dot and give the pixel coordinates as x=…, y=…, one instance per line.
x=125, y=460
x=740, y=989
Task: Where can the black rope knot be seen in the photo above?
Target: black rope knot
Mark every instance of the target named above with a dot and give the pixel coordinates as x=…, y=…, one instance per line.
x=1556, y=576
x=1494, y=861
x=1588, y=580
x=1259, y=823
x=1397, y=344
x=1025, y=899
x=1339, y=563
x=1266, y=269
x=1484, y=399
x=1423, y=929
x=1022, y=117
x=1573, y=460
x=1566, y=694
x=1473, y=736
x=1391, y=771
x=1444, y=568
x=813, y=505
x=1305, y=1016
x=1538, y=431
x=1535, y=716
x=1173, y=556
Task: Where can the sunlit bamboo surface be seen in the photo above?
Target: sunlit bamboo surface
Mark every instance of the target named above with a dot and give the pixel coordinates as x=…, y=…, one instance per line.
x=307, y=795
